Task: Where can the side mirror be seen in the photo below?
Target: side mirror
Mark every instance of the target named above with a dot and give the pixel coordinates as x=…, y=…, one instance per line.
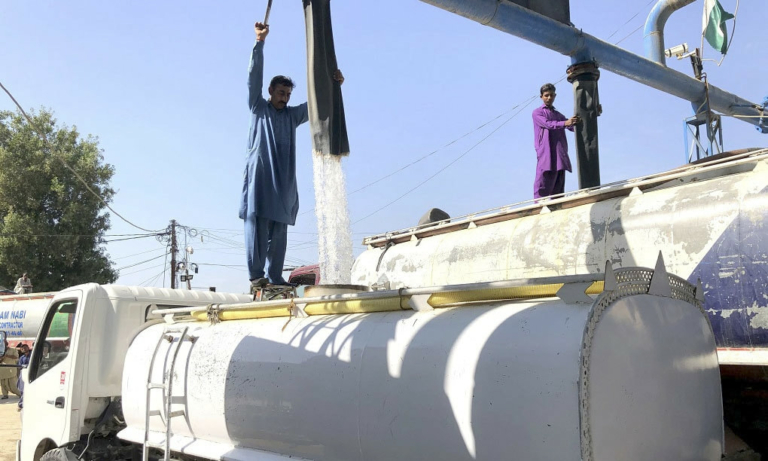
x=24, y=375
x=3, y=336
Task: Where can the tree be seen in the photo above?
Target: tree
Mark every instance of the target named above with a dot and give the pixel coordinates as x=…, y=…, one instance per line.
x=51, y=226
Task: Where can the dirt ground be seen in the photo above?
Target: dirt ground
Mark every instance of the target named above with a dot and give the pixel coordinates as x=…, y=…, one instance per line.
x=10, y=428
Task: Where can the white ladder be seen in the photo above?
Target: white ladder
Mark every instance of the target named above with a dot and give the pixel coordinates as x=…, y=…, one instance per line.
x=167, y=386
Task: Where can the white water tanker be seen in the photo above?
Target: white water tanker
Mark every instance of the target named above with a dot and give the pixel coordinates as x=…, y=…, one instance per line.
x=531, y=369
x=22, y=315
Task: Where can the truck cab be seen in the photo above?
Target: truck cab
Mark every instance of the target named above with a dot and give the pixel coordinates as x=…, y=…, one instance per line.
x=73, y=382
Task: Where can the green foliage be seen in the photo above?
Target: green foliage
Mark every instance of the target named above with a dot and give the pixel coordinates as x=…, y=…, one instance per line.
x=50, y=225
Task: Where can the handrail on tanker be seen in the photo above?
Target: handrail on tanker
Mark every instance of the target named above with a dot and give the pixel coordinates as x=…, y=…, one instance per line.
x=404, y=292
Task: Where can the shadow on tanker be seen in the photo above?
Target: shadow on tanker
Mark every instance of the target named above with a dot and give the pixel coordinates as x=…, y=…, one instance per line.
x=374, y=386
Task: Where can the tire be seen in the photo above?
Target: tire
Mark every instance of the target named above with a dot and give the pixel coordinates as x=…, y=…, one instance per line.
x=59, y=454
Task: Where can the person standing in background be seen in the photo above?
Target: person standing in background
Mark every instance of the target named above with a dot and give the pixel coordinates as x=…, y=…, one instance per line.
x=23, y=285
x=8, y=374
x=549, y=127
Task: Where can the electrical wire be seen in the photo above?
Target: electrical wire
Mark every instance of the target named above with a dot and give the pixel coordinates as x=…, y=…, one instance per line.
x=165, y=265
x=66, y=165
x=423, y=157
x=221, y=265
x=142, y=253
x=76, y=235
x=140, y=263
x=142, y=270
x=630, y=20
x=151, y=280
x=629, y=35
x=525, y=104
x=130, y=238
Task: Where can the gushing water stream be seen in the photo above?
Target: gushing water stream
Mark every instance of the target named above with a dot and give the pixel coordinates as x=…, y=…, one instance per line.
x=334, y=231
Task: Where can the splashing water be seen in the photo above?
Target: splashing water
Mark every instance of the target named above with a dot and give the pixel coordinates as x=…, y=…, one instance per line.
x=334, y=232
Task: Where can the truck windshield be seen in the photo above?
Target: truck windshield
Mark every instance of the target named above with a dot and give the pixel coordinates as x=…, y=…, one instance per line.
x=53, y=345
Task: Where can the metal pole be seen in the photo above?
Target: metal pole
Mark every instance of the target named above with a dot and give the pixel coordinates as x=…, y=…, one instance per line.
x=186, y=261
x=173, y=253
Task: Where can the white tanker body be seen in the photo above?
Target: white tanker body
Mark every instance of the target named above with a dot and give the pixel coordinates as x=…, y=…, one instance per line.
x=628, y=374
x=709, y=220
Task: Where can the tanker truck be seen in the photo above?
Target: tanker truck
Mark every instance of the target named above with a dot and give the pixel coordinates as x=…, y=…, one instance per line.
x=71, y=387
x=620, y=364
x=709, y=219
x=21, y=316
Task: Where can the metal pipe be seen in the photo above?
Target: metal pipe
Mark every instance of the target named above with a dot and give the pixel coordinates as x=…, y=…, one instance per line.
x=521, y=22
x=653, y=34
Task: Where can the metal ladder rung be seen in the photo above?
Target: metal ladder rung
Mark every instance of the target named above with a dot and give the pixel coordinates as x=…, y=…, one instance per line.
x=167, y=387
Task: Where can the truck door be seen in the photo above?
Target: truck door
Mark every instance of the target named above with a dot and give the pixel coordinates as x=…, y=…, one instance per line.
x=48, y=394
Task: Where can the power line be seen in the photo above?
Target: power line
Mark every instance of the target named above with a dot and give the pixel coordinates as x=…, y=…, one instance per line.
x=526, y=104
x=221, y=265
x=66, y=165
x=165, y=265
x=628, y=35
x=140, y=263
x=142, y=270
x=151, y=280
x=630, y=20
x=142, y=253
x=131, y=238
x=76, y=235
x=423, y=157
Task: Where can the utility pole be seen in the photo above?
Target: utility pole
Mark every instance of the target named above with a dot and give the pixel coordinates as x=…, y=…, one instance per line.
x=174, y=249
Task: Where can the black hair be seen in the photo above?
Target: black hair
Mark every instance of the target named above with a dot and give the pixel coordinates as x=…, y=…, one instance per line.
x=282, y=80
x=546, y=87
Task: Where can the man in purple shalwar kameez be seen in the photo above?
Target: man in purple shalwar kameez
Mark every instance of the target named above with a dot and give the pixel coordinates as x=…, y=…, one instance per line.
x=549, y=127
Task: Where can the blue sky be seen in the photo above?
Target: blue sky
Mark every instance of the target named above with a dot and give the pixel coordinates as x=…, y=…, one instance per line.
x=162, y=84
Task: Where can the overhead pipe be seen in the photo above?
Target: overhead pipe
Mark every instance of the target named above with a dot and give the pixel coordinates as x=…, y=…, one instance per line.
x=521, y=22
x=653, y=34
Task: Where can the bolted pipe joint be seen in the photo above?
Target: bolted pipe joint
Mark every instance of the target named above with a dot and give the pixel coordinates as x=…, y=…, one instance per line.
x=653, y=34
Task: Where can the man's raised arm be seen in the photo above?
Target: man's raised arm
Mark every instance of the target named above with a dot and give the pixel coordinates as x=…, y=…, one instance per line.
x=256, y=68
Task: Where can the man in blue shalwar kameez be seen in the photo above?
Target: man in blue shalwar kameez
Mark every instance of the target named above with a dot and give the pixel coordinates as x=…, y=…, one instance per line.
x=270, y=198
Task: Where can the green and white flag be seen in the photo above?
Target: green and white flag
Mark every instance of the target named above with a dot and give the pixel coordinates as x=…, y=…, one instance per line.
x=713, y=25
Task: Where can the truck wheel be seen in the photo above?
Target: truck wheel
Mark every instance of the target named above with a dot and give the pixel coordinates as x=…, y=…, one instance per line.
x=59, y=454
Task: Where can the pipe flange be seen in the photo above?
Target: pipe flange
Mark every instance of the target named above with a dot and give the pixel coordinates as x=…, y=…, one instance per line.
x=583, y=71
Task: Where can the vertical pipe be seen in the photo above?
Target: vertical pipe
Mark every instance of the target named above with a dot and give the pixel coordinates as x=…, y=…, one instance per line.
x=586, y=104
x=653, y=34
